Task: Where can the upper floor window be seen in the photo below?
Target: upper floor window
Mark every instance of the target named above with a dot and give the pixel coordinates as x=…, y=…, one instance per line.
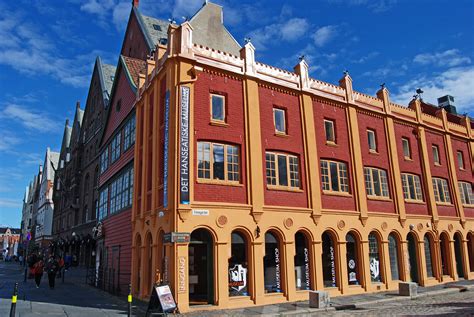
x=376, y=183
x=334, y=176
x=104, y=160
x=465, y=189
x=115, y=148
x=441, y=190
x=406, y=148
x=279, y=120
x=218, y=162
x=411, y=187
x=103, y=206
x=129, y=133
x=460, y=158
x=372, y=141
x=217, y=108
x=282, y=170
x=436, y=159
x=121, y=192
x=329, y=129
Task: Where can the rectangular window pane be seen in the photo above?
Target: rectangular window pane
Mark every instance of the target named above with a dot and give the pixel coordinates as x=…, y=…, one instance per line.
x=460, y=160
x=279, y=117
x=282, y=171
x=325, y=175
x=204, y=160
x=329, y=128
x=343, y=178
x=334, y=177
x=368, y=182
x=435, y=154
x=406, y=148
x=447, y=197
x=294, y=172
x=376, y=180
x=271, y=172
x=232, y=163
x=419, y=195
x=371, y=140
x=406, y=191
x=411, y=185
x=384, y=182
x=217, y=107
x=218, y=164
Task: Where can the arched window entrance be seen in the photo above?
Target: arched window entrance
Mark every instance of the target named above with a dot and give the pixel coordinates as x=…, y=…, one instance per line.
x=272, y=264
x=353, y=261
x=238, y=265
x=444, y=246
x=470, y=250
x=138, y=248
x=375, y=257
x=148, y=264
x=458, y=254
x=302, y=262
x=161, y=260
x=329, y=260
x=428, y=256
x=201, y=268
x=393, y=255
x=412, y=258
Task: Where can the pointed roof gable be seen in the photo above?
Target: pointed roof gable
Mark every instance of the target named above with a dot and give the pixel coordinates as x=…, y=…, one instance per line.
x=66, y=137
x=106, y=76
x=209, y=30
x=51, y=159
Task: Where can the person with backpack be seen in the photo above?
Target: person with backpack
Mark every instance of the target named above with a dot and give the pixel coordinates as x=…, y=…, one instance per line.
x=51, y=268
x=38, y=269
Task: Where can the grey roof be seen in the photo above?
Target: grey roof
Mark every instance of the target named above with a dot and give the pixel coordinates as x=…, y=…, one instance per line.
x=157, y=29
x=108, y=71
x=12, y=230
x=66, y=136
x=79, y=115
x=52, y=158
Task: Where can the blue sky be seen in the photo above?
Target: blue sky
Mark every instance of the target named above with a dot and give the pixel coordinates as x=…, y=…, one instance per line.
x=48, y=48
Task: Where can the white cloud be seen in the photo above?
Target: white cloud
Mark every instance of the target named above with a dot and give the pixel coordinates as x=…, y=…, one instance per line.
x=457, y=81
x=289, y=31
x=120, y=15
x=185, y=8
x=448, y=58
x=324, y=34
x=8, y=141
x=367, y=57
x=376, y=6
x=33, y=120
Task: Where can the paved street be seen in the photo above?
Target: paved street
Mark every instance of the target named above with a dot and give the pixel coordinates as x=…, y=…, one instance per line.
x=69, y=299
x=75, y=299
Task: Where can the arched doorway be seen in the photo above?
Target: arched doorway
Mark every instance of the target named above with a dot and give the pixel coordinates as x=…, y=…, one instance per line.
x=161, y=260
x=393, y=252
x=458, y=253
x=272, y=262
x=353, y=259
x=445, y=254
x=149, y=264
x=470, y=250
x=428, y=245
x=201, y=268
x=138, y=248
x=302, y=262
x=238, y=265
x=329, y=260
x=375, y=257
x=412, y=258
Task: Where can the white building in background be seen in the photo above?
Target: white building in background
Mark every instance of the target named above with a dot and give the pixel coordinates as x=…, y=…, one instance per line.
x=44, y=216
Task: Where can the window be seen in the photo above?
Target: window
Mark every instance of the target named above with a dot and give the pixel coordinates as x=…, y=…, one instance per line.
x=460, y=160
x=104, y=160
x=120, y=192
x=103, y=208
x=329, y=129
x=282, y=170
x=465, y=189
x=393, y=255
x=302, y=262
x=429, y=266
x=411, y=187
x=129, y=133
x=436, y=155
x=217, y=108
x=279, y=120
x=441, y=191
x=371, y=140
x=115, y=151
x=406, y=148
x=352, y=256
x=238, y=265
x=376, y=182
x=329, y=260
x=374, y=259
x=334, y=176
x=272, y=270
x=218, y=162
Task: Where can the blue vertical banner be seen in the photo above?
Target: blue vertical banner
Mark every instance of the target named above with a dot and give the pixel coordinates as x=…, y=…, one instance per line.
x=166, y=149
x=184, y=146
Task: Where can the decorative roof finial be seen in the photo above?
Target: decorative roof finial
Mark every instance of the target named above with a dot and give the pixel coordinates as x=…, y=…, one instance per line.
x=345, y=72
x=247, y=40
x=382, y=85
x=301, y=58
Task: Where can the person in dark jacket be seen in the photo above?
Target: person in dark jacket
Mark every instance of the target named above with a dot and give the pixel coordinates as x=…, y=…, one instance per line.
x=51, y=268
x=38, y=271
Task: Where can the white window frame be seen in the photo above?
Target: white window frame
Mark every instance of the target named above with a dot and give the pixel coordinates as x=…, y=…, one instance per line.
x=373, y=146
x=370, y=185
x=441, y=190
x=227, y=164
x=342, y=177
x=412, y=180
x=460, y=158
x=406, y=148
x=332, y=137
x=292, y=171
x=465, y=190
x=223, y=120
x=275, y=110
x=436, y=157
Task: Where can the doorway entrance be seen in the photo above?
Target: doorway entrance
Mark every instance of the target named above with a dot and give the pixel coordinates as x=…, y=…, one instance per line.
x=458, y=255
x=412, y=258
x=201, y=268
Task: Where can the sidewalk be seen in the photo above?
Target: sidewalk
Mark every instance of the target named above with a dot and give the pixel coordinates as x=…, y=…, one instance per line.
x=350, y=302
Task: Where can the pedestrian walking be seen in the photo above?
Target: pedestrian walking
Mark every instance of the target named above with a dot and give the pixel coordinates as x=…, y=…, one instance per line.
x=51, y=269
x=61, y=266
x=38, y=269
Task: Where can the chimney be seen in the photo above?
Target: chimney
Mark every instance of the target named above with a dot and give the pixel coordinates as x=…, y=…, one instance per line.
x=78, y=104
x=135, y=3
x=447, y=103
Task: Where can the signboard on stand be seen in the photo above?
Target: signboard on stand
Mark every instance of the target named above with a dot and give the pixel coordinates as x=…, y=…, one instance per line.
x=161, y=300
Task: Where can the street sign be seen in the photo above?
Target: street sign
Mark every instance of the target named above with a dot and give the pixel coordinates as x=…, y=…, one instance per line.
x=176, y=237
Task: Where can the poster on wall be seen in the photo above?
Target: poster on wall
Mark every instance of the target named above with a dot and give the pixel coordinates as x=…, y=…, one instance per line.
x=165, y=150
x=184, y=146
x=238, y=280
x=351, y=266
